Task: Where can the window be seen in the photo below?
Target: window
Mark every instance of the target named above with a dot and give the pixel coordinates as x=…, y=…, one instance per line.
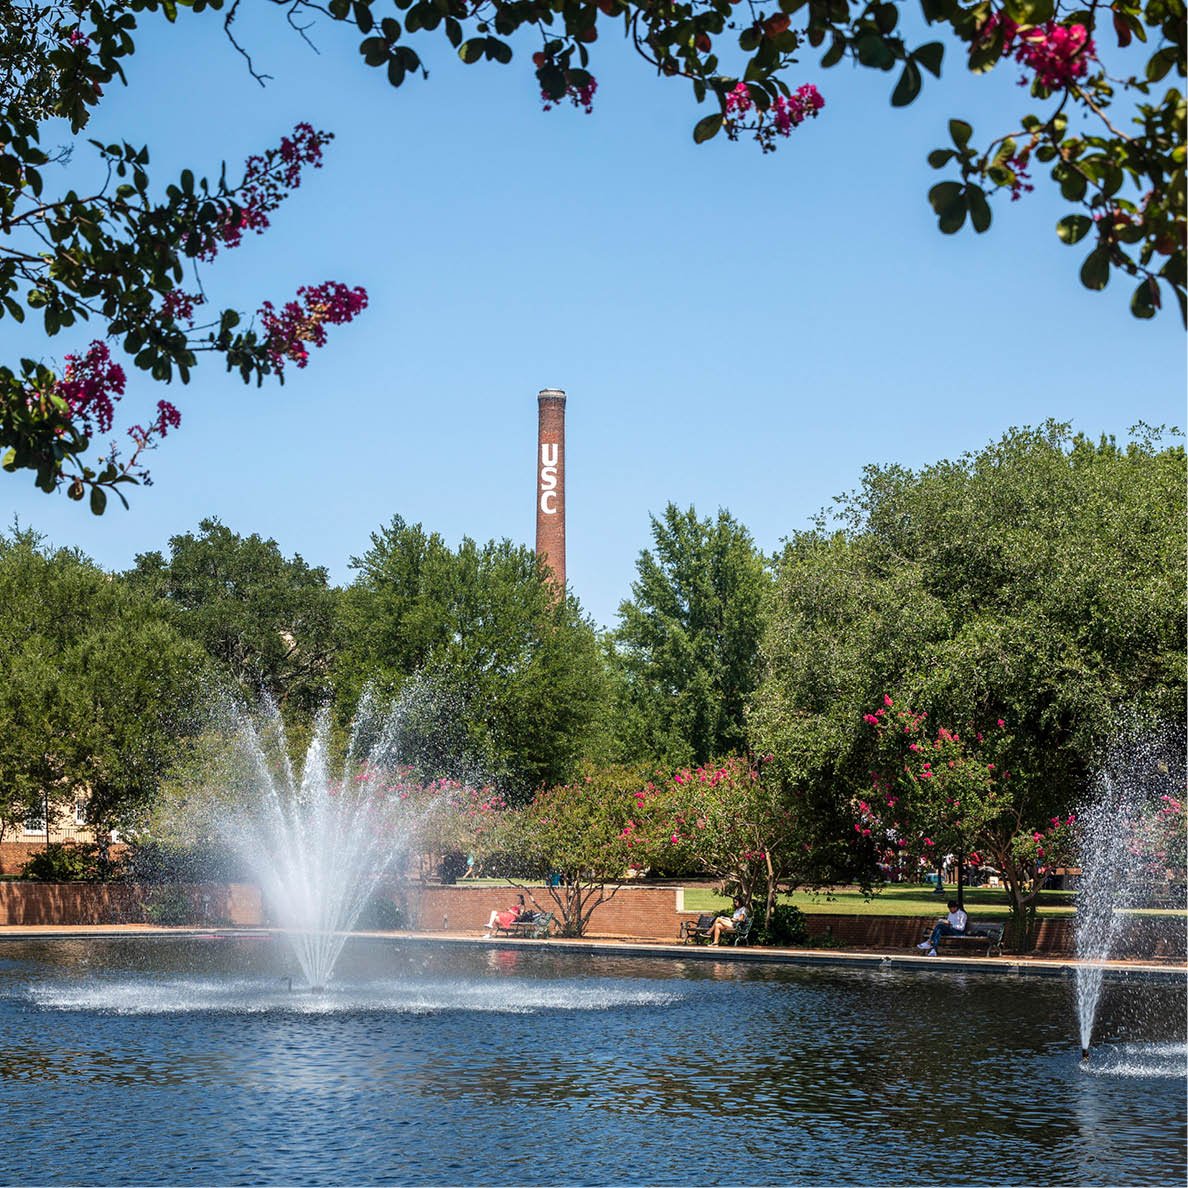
x=35, y=823
x=80, y=810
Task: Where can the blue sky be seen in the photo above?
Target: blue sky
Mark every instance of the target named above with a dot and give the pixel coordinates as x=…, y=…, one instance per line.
x=734, y=330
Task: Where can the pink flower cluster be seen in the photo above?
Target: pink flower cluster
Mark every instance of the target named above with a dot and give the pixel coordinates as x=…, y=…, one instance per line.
x=178, y=306
x=803, y=104
x=167, y=418
x=1058, y=54
x=90, y=385
x=786, y=113
x=582, y=96
x=268, y=178
x=286, y=332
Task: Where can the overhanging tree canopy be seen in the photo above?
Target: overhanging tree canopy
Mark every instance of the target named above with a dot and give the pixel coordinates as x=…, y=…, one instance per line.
x=1111, y=138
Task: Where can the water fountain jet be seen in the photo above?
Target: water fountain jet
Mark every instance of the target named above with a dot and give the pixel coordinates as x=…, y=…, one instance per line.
x=1139, y=766
x=319, y=844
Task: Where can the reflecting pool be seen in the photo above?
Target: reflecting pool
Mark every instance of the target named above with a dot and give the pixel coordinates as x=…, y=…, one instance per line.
x=189, y=1061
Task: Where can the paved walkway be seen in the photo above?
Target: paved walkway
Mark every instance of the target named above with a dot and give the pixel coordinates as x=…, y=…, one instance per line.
x=634, y=947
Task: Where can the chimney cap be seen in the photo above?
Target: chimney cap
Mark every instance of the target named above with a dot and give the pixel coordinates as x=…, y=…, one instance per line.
x=556, y=395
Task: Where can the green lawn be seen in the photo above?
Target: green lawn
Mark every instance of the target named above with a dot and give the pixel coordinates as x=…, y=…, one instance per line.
x=897, y=900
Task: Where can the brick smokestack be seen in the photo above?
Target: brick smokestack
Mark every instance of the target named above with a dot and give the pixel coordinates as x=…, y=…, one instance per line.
x=550, y=482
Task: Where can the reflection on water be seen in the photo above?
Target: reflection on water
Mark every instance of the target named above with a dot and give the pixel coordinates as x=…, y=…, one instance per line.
x=191, y=1062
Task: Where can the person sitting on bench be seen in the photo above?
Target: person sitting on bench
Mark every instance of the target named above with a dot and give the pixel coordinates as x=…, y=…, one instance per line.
x=516, y=913
x=729, y=923
x=952, y=925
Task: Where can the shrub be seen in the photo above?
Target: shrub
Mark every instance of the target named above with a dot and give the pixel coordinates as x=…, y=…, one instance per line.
x=380, y=912
x=68, y=862
x=160, y=862
x=169, y=906
x=786, y=927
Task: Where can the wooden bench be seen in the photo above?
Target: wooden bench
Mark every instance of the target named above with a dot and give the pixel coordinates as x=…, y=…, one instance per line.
x=535, y=928
x=975, y=936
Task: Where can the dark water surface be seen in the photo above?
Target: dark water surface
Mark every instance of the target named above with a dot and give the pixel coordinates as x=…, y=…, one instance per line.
x=189, y=1062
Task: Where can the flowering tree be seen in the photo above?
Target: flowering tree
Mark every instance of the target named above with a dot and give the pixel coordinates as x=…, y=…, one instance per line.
x=745, y=62
x=933, y=793
x=727, y=820
x=124, y=257
x=577, y=838
x=119, y=255
x=1156, y=843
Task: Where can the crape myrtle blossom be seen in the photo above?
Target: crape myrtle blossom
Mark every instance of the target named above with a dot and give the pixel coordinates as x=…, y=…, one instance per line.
x=784, y=113
x=90, y=385
x=1057, y=54
x=268, y=179
x=60, y=414
x=936, y=792
x=297, y=323
x=579, y=94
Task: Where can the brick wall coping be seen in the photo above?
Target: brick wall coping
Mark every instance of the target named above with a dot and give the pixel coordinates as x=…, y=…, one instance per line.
x=1009, y=965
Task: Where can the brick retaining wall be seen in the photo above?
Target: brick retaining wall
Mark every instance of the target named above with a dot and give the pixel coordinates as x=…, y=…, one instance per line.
x=122, y=903
x=635, y=912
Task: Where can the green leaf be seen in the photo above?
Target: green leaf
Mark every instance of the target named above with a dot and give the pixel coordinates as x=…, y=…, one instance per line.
x=979, y=208
x=363, y=17
x=943, y=195
x=187, y=181
x=1141, y=304
x=930, y=57
x=374, y=51
x=707, y=128
x=499, y=50
x=939, y=158
x=1074, y=228
x=1095, y=272
x=953, y=219
x=471, y=50
x=908, y=86
x=873, y=51
x=1160, y=63
x=834, y=53
x=960, y=131
x=1073, y=185
x=1030, y=12
x=98, y=500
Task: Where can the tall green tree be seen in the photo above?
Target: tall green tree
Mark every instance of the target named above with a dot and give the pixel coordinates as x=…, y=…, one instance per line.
x=1040, y=581
x=504, y=672
x=688, y=638
x=268, y=620
x=100, y=689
